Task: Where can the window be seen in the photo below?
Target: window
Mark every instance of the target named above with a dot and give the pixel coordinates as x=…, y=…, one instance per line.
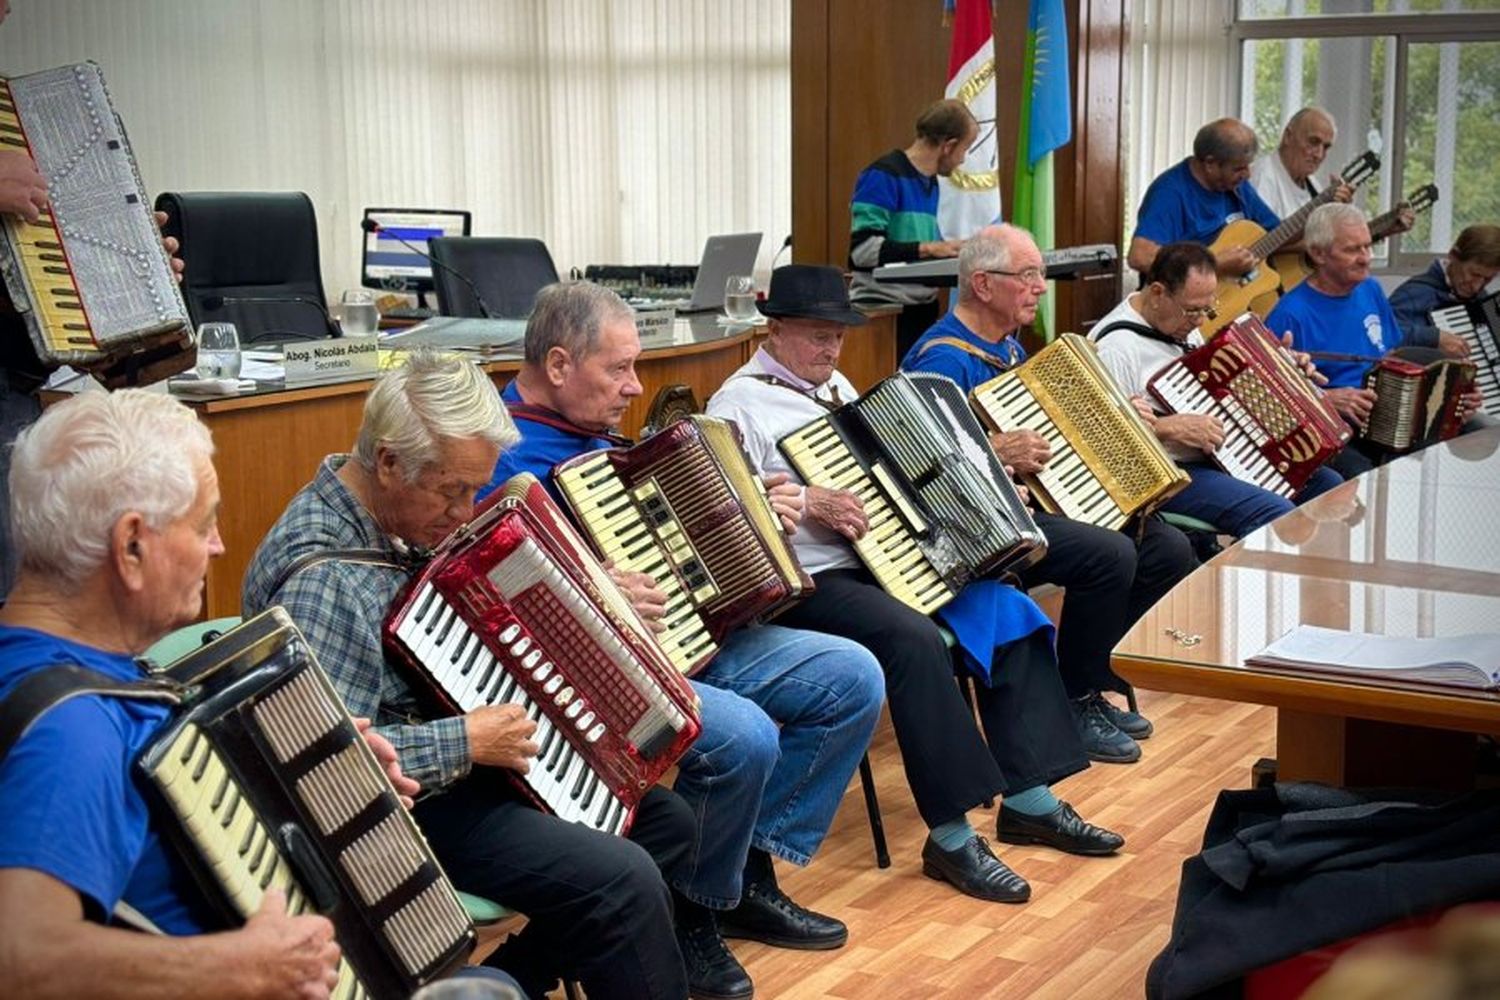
x=1418, y=81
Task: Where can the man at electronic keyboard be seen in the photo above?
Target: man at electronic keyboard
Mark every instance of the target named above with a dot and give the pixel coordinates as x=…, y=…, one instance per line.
x=116, y=501
x=1029, y=740
x=1458, y=279
x=1341, y=310
x=1158, y=325
x=598, y=909
x=787, y=714
x=1109, y=577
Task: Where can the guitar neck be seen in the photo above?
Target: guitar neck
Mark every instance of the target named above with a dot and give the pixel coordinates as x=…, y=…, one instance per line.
x=1291, y=227
x=1384, y=225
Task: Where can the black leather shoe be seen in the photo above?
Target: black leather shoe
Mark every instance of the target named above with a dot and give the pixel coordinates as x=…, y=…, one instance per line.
x=1062, y=828
x=973, y=869
x=767, y=914
x=713, y=972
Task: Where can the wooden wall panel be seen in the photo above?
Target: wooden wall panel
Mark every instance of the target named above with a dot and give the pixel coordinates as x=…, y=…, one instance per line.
x=863, y=69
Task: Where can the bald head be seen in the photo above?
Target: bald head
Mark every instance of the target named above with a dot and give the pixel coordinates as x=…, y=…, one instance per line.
x=1305, y=142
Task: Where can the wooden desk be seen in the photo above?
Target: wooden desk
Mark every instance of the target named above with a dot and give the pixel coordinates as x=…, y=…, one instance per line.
x=1411, y=549
x=268, y=444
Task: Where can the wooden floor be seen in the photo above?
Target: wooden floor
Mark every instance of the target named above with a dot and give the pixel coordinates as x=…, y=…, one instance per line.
x=1092, y=925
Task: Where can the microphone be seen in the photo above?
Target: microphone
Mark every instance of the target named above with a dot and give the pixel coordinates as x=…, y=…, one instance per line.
x=784, y=244
x=369, y=225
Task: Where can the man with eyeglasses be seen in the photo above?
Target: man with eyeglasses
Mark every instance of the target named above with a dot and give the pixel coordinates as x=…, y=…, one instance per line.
x=1109, y=578
x=1462, y=276
x=1156, y=326
x=1198, y=197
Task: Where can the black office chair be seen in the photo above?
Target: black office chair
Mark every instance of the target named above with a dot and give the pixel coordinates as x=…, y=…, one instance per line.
x=252, y=260
x=487, y=275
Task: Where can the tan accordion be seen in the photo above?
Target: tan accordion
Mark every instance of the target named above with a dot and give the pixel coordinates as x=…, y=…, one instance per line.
x=270, y=786
x=1278, y=426
x=514, y=609
x=1106, y=467
x=1416, y=404
x=89, y=279
x=941, y=509
x=686, y=508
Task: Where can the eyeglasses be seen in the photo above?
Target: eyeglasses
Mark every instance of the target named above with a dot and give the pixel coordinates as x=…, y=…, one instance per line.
x=1029, y=276
x=1198, y=312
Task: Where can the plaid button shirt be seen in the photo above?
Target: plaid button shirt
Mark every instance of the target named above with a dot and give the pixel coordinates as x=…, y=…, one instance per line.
x=340, y=607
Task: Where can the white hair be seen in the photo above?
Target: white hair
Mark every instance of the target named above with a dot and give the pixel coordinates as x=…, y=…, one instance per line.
x=989, y=249
x=411, y=408
x=1324, y=222
x=89, y=461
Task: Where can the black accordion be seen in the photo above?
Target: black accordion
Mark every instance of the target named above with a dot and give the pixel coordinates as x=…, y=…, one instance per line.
x=270, y=786
x=1478, y=323
x=941, y=509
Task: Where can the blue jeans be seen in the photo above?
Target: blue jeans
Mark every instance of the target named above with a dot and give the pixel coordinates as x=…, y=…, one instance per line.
x=748, y=782
x=1235, y=506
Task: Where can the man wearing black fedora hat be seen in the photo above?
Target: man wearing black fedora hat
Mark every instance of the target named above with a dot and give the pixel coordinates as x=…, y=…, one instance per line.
x=1030, y=739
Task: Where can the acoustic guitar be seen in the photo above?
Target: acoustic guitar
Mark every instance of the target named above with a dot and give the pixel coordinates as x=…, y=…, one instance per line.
x=1294, y=267
x=1236, y=293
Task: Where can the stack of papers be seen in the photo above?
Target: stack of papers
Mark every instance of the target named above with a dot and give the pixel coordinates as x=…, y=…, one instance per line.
x=1465, y=661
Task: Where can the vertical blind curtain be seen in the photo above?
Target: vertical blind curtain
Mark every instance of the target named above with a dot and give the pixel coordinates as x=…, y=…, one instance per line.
x=618, y=131
x=1180, y=78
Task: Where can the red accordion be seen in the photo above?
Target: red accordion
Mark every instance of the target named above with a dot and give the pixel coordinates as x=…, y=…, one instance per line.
x=1416, y=404
x=1278, y=426
x=513, y=608
x=686, y=508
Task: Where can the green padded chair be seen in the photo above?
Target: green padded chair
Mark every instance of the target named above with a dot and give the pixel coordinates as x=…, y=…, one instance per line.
x=1203, y=536
x=482, y=911
x=175, y=645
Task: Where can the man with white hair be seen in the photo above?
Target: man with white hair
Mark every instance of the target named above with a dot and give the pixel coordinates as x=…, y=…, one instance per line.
x=1109, y=578
x=1285, y=177
x=1341, y=309
x=115, y=501
x=598, y=909
x=787, y=713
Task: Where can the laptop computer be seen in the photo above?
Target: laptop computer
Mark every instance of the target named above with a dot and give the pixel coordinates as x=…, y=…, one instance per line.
x=723, y=256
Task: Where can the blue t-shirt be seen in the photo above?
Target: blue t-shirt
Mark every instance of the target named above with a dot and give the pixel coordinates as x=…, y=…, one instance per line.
x=959, y=365
x=1177, y=207
x=541, y=447
x=72, y=807
x=1358, y=323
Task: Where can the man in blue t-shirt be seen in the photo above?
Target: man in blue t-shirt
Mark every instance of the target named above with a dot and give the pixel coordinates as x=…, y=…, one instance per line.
x=1109, y=578
x=1340, y=309
x=1197, y=198
x=787, y=713
x=116, y=501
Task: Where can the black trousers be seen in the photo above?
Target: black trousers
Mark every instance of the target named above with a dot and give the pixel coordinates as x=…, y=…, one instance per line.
x=1032, y=739
x=598, y=906
x=1109, y=581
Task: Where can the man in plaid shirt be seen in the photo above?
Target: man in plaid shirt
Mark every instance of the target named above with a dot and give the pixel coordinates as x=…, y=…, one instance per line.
x=598, y=908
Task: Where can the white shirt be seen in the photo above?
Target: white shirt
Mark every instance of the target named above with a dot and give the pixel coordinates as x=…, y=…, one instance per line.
x=1275, y=186
x=1132, y=359
x=767, y=413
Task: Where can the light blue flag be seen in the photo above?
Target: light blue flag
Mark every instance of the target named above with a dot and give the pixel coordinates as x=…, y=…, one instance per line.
x=1051, y=100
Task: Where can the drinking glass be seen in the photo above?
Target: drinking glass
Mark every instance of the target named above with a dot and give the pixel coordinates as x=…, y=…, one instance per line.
x=360, y=315
x=218, y=351
x=739, y=298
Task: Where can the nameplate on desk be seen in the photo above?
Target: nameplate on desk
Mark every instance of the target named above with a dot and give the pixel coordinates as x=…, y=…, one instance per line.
x=325, y=359
x=649, y=321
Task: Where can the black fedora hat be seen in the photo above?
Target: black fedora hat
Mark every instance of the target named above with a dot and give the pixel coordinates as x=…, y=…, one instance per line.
x=810, y=291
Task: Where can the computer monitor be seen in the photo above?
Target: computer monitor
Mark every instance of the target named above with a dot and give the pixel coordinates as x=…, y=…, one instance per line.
x=389, y=263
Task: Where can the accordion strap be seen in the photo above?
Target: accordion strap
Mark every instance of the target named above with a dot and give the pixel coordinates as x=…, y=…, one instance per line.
x=1149, y=332
x=40, y=692
x=367, y=557
x=828, y=404
x=968, y=348
x=551, y=418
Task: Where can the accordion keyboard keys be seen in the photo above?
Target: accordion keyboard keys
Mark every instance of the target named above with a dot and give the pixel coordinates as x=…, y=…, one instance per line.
x=599, y=497
x=887, y=548
x=247, y=862
x=1240, y=454
x=1066, y=478
x=1483, y=337
x=473, y=677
